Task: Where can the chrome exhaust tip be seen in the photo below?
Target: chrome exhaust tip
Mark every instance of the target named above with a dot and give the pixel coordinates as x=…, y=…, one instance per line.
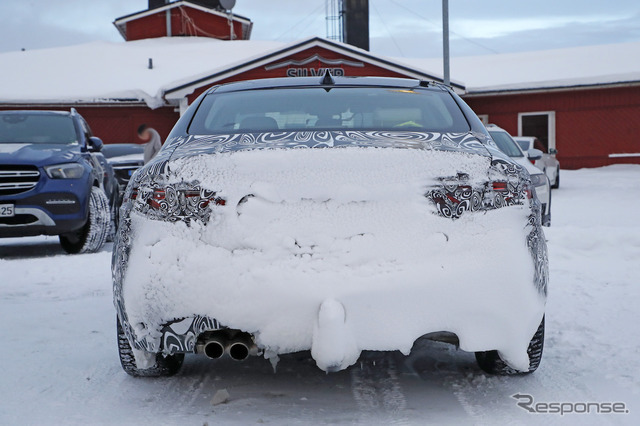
x=214, y=349
x=238, y=351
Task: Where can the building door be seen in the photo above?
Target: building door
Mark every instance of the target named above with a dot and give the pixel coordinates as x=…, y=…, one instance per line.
x=539, y=124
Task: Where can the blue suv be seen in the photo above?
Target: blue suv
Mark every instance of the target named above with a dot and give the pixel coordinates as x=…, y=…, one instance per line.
x=54, y=180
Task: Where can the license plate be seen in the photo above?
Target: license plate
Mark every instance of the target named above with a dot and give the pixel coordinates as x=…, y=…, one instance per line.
x=7, y=210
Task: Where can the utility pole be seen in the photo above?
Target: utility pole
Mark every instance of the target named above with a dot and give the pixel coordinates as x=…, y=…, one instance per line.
x=445, y=41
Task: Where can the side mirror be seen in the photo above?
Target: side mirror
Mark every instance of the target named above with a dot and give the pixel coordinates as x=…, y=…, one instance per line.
x=553, y=151
x=95, y=144
x=534, y=154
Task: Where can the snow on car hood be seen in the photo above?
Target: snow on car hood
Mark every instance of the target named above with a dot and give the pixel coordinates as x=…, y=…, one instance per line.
x=338, y=251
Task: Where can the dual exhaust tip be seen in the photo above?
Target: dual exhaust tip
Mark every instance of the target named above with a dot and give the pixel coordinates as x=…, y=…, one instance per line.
x=238, y=345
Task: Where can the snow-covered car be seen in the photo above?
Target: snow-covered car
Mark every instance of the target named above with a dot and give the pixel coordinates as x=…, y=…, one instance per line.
x=334, y=215
x=54, y=180
x=540, y=181
x=547, y=162
x=125, y=158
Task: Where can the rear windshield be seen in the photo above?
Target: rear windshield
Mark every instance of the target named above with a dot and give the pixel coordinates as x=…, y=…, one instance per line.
x=341, y=108
x=37, y=128
x=506, y=144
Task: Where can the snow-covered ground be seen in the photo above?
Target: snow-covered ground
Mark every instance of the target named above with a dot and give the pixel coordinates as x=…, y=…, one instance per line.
x=57, y=325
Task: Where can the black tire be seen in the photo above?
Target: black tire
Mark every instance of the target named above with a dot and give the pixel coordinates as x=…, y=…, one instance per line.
x=556, y=184
x=115, y=219
x=491, y=362
x=92, y=236
x=165, y=365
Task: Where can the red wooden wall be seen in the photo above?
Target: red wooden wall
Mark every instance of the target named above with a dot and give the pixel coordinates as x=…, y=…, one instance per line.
x=263, y=72
x=590, y=123
x=185, y=21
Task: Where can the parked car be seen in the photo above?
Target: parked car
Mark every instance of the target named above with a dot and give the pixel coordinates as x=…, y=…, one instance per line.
x=548, y=162
x=334, y=215
x=125, y=158
x=505, y=142
x=54, y=180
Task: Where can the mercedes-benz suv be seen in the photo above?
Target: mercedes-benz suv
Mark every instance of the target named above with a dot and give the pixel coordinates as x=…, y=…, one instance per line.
x=54, y=180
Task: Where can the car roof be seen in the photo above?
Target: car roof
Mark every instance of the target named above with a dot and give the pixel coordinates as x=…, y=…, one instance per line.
x=32, y=112
x=318, y=81
x=492, y=126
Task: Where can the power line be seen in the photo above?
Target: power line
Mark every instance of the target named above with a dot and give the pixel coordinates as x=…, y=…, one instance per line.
x=468, y=40
x=387, y=29
x=313, y=12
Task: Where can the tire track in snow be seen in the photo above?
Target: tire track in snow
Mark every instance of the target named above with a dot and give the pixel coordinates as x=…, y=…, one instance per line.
x=377, y=391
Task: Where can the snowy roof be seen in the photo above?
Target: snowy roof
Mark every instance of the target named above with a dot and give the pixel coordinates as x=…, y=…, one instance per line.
x=117, y=70
x=568, y=67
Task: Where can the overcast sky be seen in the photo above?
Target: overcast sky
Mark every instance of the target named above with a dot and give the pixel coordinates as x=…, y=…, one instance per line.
x=408, y=28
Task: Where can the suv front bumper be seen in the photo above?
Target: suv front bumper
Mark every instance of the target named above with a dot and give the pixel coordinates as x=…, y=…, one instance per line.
x=53, y=207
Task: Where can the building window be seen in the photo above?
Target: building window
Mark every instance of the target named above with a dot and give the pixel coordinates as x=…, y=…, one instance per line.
x=539, y=124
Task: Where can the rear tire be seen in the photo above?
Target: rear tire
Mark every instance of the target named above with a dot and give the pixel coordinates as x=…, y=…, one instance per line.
x=556, y=184
x=92, y=236
x=491, y=362
x=164, y=366
x=115, y=219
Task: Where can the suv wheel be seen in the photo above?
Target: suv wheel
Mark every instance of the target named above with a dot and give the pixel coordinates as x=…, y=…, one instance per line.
x=164, y=365
x=92, y=236
x=491, y=362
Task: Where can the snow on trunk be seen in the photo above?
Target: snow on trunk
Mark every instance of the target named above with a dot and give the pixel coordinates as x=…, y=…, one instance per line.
x=338, y=251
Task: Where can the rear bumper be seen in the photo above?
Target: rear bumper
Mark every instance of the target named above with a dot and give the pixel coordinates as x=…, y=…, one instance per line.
x=382, y=305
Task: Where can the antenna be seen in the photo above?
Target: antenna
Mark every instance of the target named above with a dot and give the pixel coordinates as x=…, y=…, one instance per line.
x=334, y=18
x=228, y=6
x=327, y=80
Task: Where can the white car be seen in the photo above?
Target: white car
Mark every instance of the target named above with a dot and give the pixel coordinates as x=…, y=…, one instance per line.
x=548, y=163
x=505, y=142
x=330, y=215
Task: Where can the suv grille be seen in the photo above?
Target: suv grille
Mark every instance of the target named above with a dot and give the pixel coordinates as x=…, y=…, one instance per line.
x=17, y=179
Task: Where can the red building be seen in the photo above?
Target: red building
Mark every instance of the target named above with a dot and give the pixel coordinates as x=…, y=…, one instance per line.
x=583, y=101
x=184, y=18
x=152, y=78
x=588, y=109
x=590, y=126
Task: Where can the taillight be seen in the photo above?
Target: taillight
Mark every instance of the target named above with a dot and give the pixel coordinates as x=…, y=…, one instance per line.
x=182, y=201
x=157, y=198
x=528, y=192
x=499, y=186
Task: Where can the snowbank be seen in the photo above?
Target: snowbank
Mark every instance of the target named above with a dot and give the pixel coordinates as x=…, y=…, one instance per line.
x=338, y=251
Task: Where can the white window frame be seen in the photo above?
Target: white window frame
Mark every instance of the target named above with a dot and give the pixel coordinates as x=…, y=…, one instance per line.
x=551, y=130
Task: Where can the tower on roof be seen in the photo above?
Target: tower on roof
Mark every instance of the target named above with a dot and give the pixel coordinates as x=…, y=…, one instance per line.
x=196, y=18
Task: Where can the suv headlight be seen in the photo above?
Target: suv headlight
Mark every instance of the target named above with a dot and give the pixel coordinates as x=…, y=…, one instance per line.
x=539, y=179
x=65, y=171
